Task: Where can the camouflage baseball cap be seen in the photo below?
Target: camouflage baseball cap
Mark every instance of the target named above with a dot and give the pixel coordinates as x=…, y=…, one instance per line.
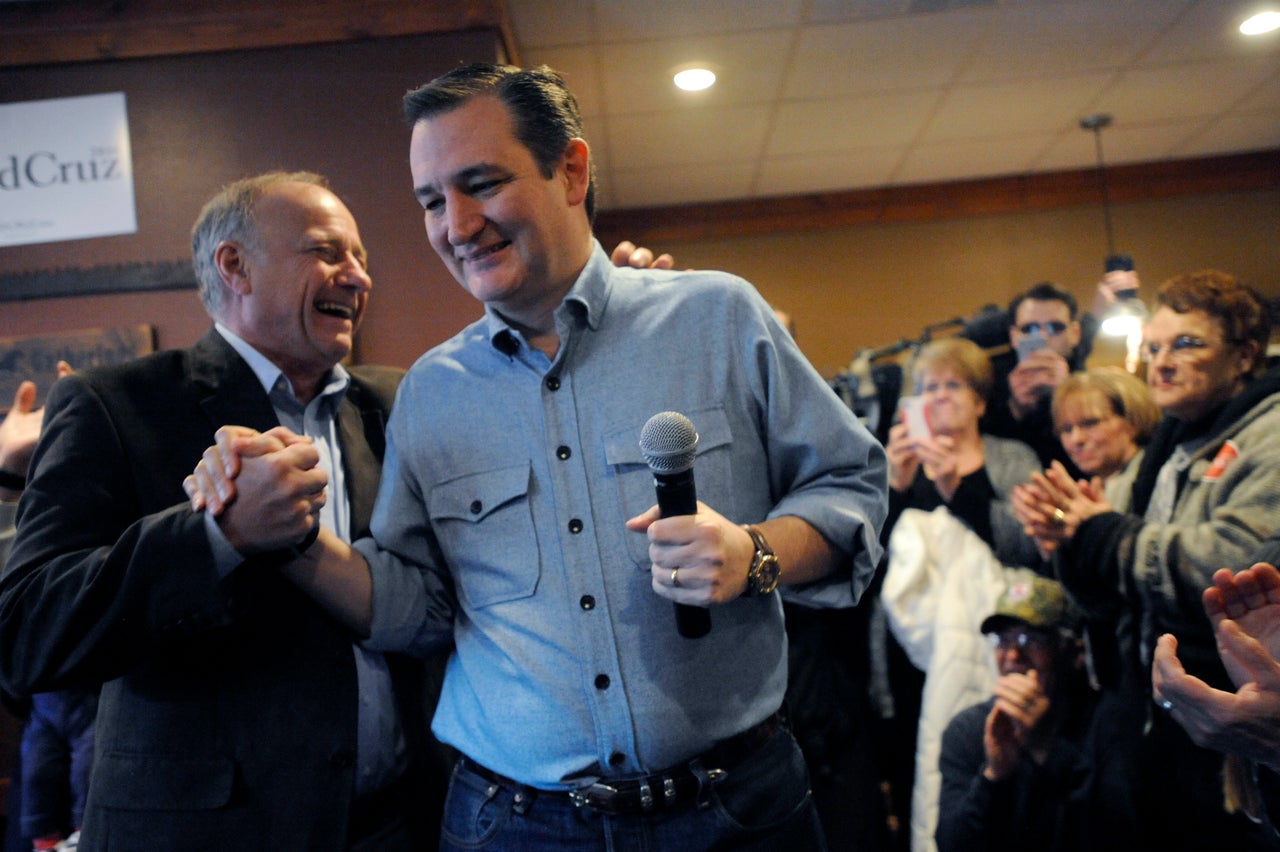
x=1033, y=601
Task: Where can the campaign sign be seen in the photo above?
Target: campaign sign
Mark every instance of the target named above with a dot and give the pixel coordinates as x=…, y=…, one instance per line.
x=66, y=172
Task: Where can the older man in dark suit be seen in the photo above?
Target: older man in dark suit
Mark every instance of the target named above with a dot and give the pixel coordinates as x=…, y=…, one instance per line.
x=235, y=714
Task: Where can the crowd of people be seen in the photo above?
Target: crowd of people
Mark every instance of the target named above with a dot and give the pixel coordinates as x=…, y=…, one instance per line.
x=298, y=604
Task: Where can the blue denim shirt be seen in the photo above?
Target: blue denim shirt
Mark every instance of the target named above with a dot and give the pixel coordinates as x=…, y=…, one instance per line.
x=510, y=476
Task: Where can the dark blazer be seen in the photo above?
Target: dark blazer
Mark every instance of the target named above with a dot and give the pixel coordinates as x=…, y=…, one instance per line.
x=228, y=709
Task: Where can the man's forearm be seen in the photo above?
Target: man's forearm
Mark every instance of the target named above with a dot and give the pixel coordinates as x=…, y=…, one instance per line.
x=337, y=576
x=804, y=554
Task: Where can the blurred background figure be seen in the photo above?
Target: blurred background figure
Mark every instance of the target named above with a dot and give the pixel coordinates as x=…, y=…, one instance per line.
x=951, y=532
x=1206, y=494
x=1245, y=724
x=1047, y=343
x=1015, y=768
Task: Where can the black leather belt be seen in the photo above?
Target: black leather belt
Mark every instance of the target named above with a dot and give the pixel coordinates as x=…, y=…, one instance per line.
x=677, y=787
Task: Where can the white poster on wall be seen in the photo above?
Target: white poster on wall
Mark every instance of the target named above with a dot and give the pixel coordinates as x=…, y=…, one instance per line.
x=66, y=171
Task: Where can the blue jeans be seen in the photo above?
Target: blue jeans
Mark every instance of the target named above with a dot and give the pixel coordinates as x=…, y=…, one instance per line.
x=57, y=752
x=763, y=804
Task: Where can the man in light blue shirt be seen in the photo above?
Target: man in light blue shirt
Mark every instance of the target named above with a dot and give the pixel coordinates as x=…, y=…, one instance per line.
x=514, y=475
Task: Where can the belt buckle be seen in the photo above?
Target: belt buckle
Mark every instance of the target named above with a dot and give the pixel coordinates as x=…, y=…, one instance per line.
x=597, y=796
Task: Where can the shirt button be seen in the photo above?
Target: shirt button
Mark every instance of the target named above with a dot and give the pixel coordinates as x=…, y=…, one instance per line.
x=602, y=681
x=563, y=452
x=587, y=602
x=553, y=383
x=617, y=759
x=575, y=526
x=476, y=506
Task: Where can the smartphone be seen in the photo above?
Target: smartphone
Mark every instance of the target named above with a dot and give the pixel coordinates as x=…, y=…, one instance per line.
x=913, y=414
x=1029, y=344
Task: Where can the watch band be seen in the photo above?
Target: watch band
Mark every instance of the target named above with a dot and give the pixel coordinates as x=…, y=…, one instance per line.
x=762, y=576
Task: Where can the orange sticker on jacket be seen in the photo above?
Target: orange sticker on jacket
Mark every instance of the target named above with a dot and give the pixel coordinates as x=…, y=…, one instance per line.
x=1228, y=453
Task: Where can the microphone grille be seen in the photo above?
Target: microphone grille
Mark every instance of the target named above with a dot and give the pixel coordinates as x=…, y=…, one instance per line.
x=668, y=442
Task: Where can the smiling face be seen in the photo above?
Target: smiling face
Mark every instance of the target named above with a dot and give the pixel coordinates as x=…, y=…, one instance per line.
x=300, y=286
x=1098, y=440
x=1193, y=369
x=515, y=239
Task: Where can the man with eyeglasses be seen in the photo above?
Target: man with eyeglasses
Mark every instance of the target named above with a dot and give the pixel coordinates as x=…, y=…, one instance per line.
x=1048, y=341
x=1015, y=768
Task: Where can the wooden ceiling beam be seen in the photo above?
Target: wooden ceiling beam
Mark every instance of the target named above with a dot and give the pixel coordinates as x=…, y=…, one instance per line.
x=44, y=32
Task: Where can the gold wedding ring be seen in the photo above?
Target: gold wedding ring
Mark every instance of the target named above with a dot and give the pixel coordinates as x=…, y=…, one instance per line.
x=1059, y=517
x=675, y=577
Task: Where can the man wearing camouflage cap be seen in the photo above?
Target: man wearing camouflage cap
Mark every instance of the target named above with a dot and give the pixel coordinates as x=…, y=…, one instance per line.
x=1015, y=768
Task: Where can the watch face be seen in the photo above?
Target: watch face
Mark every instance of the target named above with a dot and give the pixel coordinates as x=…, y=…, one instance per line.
x=767, y=574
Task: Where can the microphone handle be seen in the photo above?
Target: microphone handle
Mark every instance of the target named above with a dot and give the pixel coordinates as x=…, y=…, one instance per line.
x=677, y=496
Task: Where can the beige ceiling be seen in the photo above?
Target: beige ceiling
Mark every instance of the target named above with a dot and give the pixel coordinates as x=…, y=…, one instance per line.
x=823, y=95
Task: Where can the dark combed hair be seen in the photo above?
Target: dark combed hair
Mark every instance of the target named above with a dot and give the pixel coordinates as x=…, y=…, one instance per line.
x=1241, y=312
x=1045, y=291
x=543, y=110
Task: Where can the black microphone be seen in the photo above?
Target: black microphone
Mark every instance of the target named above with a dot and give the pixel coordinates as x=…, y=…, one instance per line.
x=668, y=442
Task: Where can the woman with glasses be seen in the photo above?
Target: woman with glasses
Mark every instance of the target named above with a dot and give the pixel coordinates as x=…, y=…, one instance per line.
x=950, y=532
x=1205, y=496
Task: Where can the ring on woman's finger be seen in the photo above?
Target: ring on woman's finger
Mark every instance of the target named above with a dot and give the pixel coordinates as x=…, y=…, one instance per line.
x=1059, y=517
x=1166, y=705
x=675, y=577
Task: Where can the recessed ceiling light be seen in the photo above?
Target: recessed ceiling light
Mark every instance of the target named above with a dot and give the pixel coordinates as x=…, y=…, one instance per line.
x=695, y=79
x=1263, y=22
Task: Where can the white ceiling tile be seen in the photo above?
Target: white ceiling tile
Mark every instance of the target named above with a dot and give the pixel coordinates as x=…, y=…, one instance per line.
x=882, y=55
x=834, y=11
x=627, y=20
x=1184, y=91
x=1121, y=143
x=637, y=77
x=1023, y=106
x=859, y=167
x=836, y=94
x=1210, y=30
x=1233, y=133
x=682, y=184
x=695, y=136
x=542, y=23
x=824, y=126
x=1035, y=40
x=980, y=158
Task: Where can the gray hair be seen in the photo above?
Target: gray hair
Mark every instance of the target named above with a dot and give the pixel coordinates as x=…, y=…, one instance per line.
x=229, y=215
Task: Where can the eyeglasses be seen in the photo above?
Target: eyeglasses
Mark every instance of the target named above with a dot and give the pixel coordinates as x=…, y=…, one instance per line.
x=1183, y=346
x=1051, y=329
x=1022, y=639
x=951, y=386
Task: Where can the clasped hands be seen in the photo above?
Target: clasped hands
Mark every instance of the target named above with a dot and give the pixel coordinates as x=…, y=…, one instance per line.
x=265, y=488
x=1052, y=506
x=1021, y=704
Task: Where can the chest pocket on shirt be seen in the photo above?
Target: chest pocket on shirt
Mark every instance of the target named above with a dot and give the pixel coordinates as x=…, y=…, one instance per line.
x=485, y=527
x=712, y=472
